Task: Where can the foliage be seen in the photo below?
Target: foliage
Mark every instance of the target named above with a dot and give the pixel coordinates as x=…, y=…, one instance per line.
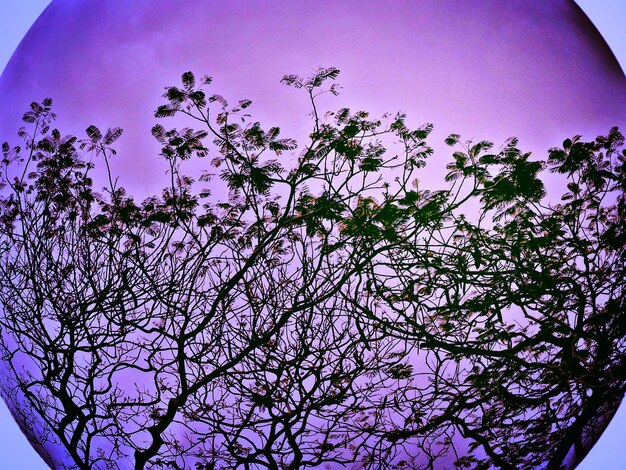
x=328, y=311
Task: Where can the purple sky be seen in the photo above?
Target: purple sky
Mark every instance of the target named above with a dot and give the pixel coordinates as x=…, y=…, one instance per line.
x=486, y=69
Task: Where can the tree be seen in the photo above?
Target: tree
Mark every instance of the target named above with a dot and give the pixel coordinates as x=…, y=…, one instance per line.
x=329, y=311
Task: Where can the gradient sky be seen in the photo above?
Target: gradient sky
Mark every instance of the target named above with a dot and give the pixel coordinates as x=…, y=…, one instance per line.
x=536, y=70
x=549, y=86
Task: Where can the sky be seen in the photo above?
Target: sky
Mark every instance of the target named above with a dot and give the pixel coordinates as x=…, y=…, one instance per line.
x=15, y=19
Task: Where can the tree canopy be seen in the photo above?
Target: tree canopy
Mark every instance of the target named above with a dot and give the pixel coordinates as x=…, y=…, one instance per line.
x=329, y=312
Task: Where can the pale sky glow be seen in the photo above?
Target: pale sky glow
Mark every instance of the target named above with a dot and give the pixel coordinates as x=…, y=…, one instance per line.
x=609, y=16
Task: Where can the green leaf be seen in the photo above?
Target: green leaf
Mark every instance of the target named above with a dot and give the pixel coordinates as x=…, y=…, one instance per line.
x=165, y=110
x=370, y=164
x=243, y=104
x=452, y=139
